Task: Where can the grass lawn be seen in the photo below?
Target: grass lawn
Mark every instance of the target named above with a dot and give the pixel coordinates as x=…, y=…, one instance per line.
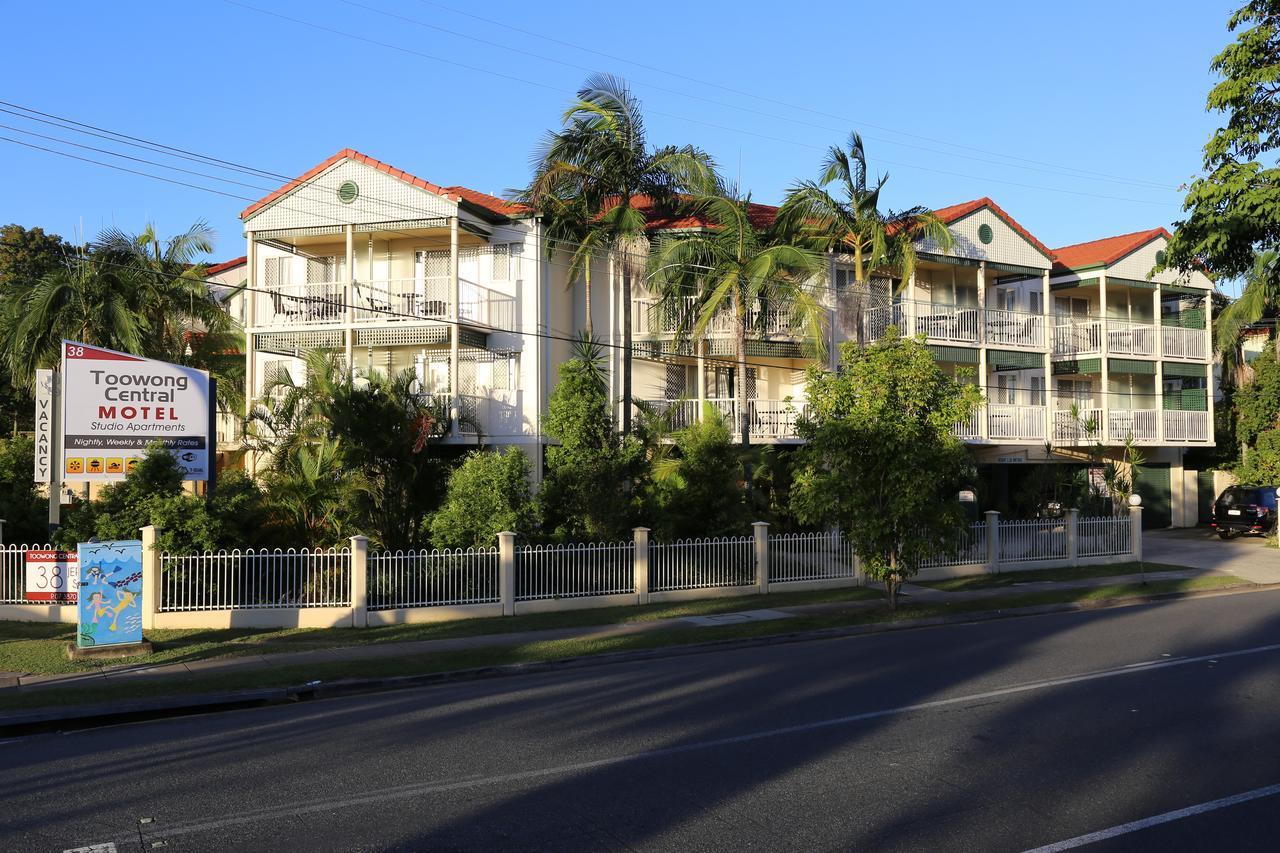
x=1068, y=574
x=12, y=700
x=38, y=647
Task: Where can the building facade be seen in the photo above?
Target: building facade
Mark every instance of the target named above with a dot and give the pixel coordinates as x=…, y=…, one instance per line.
x=1074, y=347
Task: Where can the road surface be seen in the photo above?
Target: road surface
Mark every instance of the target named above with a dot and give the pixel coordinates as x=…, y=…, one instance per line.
x=1009, y=735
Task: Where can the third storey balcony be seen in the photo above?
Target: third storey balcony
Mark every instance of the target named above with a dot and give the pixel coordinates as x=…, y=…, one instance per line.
x=954, y=324
x=1076, y=337
x=656, y=318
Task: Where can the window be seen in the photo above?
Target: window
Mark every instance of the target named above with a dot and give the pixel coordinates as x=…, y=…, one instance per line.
x=676, y=383
x=1037, y=391
x=1068, y=308
x=1036, y=302
x=1007, y=299
x=1078, y=391
x=844, y=278
x=502, y=262
x=1006, y=389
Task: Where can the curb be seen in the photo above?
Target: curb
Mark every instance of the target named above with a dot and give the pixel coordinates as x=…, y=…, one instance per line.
x=92, y=716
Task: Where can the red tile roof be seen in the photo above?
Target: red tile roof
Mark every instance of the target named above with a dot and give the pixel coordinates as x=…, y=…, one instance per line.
x=481, y=200
x=226, y=265
x=760, y=215
x=1106, y=251
x=957, y=212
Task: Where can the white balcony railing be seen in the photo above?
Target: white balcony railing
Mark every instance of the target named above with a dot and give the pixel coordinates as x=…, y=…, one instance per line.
x=382, y=301
x=652, y=317
x=1176, y=342
x=1080, y=337
x=970, y=429
x=1016, y=423
x=1125, y=338
x=1186, y=426
x=769, y=419
x=1083, y=426
x=1142, y=424
x=1014, y=329
x=964, y=325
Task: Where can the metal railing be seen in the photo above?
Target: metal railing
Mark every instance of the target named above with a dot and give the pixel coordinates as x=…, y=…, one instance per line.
x=1014, y=329
x=1083, y=426
x=573, y=571
x=13, y=571
x=1104, y=537
x=702, y=563
x=1178, y=342
x=1128, y=338
x=810, y=557
x=1186, y=426
x=776, y=419
x=1082, y=337
x=971, y=428
x=401, y=579
x=970, y=549
x=653, y=316
x=1032, y=540
x=1019, y=423
x=382, y=301
x=255, y=580
x=1142, y=424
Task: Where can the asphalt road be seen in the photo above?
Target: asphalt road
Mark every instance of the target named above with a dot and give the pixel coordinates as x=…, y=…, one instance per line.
x=995, y=736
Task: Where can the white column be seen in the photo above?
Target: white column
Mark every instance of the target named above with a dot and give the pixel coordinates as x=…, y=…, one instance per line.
x=349, y=295
x=993, y=541
x=250, y=320
x=1208, y=367
x=1104, y=353
x=151, y=580
x=1159, y=354
x=702, y=378
x=1073, y=536
x=982, y=302
x=1135, y=532
x=984, y=425
x=454, y=402
x=359, y=582
x=507, y=572
x=760, y=529
x=1050, y=404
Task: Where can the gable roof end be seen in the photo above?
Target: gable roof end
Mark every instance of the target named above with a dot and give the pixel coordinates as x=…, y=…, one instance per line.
x=1106, y=251
x=954, y=213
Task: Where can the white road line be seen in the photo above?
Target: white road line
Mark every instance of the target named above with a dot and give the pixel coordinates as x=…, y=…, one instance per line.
x=422, y=788
x=1156, y=820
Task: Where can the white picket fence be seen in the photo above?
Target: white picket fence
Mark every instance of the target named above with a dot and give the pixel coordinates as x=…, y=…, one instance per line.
x=403, y=579
x=255, y=580
x=350, y=585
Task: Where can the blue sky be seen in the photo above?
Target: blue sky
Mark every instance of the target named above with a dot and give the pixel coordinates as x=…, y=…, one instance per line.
x=1081, y=119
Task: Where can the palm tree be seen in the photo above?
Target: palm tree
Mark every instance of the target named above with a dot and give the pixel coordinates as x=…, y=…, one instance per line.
x=601, y=160
x=1260, y=297
x=731, y=270
x=852, y=223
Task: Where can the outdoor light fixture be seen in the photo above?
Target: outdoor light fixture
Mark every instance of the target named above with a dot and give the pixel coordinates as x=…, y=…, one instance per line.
x=1135, y=499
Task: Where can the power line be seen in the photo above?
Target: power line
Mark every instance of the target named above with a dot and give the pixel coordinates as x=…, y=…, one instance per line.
x=1053, y=170
x=510, y=77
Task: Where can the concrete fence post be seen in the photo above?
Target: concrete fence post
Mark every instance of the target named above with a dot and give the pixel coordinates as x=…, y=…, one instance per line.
x=640, y=563
x=1073, y=536
x=1135, y=532
x=359, y=582
x=507, y=572
x=993, y=541
x=151, y=580
x=761, y=531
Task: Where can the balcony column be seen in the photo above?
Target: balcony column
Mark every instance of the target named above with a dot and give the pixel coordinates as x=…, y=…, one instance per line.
x=350, y=294
x=982, y=302
x=454, y=402
x=1159, y=354
x=1208, y=367
x=984, y=425
x=1104, y=353
x=1050, y=404
x=702, y=378
x=250, y=320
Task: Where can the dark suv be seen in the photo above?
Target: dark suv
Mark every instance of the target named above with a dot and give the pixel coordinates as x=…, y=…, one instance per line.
x=1245, y=509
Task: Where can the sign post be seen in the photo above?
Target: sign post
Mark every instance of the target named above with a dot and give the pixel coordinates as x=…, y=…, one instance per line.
x=110, y=599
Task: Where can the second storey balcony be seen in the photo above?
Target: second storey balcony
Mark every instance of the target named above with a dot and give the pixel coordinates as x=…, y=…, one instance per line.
x=1088, y=336
x=324, y=303
x=652, y=317
x=952, y=324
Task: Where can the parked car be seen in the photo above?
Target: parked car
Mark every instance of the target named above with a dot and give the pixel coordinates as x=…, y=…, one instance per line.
x=1245, y=509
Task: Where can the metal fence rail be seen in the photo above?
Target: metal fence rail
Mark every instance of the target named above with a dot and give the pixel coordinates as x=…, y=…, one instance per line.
x=255, y=580
x=970, y=548
x=573, y=571
x=13, y=580
x=1026, y=541
x=702, y=563
x=399, y=579
x=1102, y=537
x=809, y=557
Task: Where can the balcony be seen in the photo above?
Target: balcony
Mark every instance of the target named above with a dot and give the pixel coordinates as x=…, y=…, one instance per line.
x=1121, y=337
x=652, y=317
x=1117, y=425
x=381, y=301
x=1177, y=342
x=958, y=325
x=771, y=420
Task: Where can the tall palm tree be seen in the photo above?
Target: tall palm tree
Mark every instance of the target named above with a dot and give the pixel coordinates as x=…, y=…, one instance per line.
x=1260, y=297
x=601, y=157
x=731, y=270
x=851, y=222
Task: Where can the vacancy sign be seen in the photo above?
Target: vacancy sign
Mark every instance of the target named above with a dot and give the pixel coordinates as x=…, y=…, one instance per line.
x=52, y=576
x=44, y=425
x=115, y=404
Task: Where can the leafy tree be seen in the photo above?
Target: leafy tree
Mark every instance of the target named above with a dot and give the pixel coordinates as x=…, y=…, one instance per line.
x=592, y=490
x=1259, y=298
x=704, y=494
x=1263, y=465
x=28, y=255
x=881, y=461
x=735, y=271
x=850, y=222
x=488, y=493
x=309, y=501
x=152, y=494
x=25, y=512
x=601, y=159
x=1258, y=402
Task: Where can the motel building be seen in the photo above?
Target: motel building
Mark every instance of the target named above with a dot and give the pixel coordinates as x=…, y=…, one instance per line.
x=1074, y=346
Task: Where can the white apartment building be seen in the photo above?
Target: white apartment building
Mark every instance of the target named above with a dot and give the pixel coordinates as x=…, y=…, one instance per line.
x=399, y=273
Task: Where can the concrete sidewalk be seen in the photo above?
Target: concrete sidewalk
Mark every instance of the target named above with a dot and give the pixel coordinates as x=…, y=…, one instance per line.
x=1245, y=557
x=910, y=592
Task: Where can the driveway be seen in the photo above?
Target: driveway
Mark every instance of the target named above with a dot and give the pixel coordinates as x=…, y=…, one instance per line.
x=1245, y=557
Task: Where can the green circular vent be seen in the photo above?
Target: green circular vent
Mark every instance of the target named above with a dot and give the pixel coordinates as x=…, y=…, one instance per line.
x=1160, y=256
x=984, y=233
x=348, y=192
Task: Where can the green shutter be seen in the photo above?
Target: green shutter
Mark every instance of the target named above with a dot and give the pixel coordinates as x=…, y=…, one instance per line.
x=953, y=355
x=1177, y=368
x=1083, y=282
x=1077, y=367
x=1177, y=288
x=1187, y=400
x=1131, y=365
x=1132, y=282
x=999, y=359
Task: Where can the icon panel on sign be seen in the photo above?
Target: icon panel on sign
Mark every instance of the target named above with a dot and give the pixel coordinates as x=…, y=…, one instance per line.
x=130, y=464
x=115, y=465
x=75, y=465
x=93, y=465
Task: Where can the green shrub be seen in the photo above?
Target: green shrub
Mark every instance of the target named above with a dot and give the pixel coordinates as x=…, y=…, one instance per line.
x=488, y=493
